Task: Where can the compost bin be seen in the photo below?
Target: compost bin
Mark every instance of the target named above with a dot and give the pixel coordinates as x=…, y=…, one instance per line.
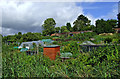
x=51, y=51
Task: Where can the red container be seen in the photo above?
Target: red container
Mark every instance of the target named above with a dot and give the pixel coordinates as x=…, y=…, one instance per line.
x=51, y=51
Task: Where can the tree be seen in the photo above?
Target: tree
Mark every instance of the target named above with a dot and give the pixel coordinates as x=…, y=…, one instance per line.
x=38, y=35
x=57, y=29
x=64, y=29
x=49, y=26
x=19, y=35
x=113, y=23
x=103, y=26
x=118, y=20
x=30, y=37
x=81, y=23
x=92, y=27
x=68, y=26
x=45, y=32
x=99, y=26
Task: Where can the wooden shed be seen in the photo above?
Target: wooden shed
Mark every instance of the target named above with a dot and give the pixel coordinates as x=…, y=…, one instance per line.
x=51, y=51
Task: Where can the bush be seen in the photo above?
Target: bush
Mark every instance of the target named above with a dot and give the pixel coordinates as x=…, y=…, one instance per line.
x=106, y=61
x=101, y=63
x=108, y=40
x=83, y=36
x=55, y=42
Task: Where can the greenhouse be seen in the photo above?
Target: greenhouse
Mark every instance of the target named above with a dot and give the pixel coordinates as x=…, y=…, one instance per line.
x=88, y=46
x=29, y=45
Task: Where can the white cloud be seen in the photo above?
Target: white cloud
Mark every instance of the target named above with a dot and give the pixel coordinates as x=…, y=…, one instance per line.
x=8, y=31
x=28, y=16
x=68, y=0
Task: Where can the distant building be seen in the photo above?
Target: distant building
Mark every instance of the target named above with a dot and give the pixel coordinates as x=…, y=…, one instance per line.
x=117, y=30
x=29, y=45
x=69, y=33
x=56, y=34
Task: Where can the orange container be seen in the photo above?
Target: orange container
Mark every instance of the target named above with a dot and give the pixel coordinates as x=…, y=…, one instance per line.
x=51, y=51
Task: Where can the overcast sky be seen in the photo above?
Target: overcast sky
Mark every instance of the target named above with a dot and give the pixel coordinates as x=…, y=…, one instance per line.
x=29, y=16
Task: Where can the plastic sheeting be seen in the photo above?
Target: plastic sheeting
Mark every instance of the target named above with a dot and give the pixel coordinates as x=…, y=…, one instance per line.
x=30, y=44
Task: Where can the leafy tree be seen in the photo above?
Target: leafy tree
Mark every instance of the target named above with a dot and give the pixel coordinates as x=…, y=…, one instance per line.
x=49, y=26
x=57, y=29
x=11, y=38
x=103, y=26
x=81, y=23
x=22, y=38
x=118, y=20
x=30, y=37
x=99, y=26
x=45, y=32
x=112, y=22
x=64, y=29
x=92, y=27
x=19, y=35
x=68, y=26
x=38, y=35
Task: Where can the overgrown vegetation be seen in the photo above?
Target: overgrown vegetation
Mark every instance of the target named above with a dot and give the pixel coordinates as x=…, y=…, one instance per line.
x=103, y=63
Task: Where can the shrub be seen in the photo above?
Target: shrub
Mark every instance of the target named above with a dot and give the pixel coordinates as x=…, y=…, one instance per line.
x=55, y=42
x=108, y=40
x=101, y=63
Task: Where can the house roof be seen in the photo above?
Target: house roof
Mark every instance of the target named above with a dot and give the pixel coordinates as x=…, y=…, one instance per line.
x=117, y=28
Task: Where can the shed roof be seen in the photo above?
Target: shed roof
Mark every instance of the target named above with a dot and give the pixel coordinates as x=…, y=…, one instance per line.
x=31, y=42
x=46, y=40
x=50, y=46
x=87, y=43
